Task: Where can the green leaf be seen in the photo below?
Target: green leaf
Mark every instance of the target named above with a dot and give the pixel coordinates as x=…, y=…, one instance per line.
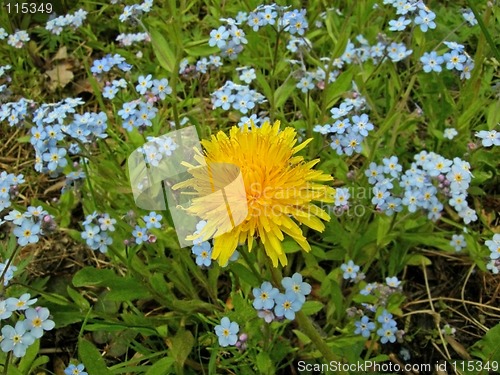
x=14, y=371
x=484, y=29
x=312, y=307
x=123, y=288
x=38, y=362
x=11, y=246
x=24, y=139
x=394, y=301
x=426, y=238
x=161, y=367
x=350, y=348
x=106, y=305
x=290, y=246
x=487, y=348
x=162, y=330
x=112, y=327
x=265, y=364
x=65, y=316
x=481, y=176
x=262, y=80
x=90, y=276
x=128, y=293
x=66, y=202
x=78, y=298
x=180, y=346
x=57, y=299
x=493, y=116
x=91, y=358
x=336, y=89
x=383, y=226
x=475, y=191
x=201, y=50
x=212, y=363
x=417, y=260
x=360, y=298
x=302, y=337
x=26, y=361
x=283, y=92
x=244, y=274
x=331, y=288
x=484, y=156
x=243, y=310
x=159, y=284
x=162, y=50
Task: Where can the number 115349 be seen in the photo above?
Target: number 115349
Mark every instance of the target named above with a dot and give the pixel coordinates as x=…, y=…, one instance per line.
x=28, y=8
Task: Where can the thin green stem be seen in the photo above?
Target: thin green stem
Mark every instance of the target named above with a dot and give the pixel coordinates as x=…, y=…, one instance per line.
x=174, y=79
x=119, y=256
x=484, y=27
x=370, y=349
x=9, y=262
x=245, y=256
x=267, y=337
x=308, y=329
x=91, y=188
x=273, y=78
x=309, y=118
x=7, y=362
x=449, y=34
x=84, y=323
x=275, y=55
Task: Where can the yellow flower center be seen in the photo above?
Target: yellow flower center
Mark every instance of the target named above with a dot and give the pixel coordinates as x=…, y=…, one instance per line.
x=37, y=322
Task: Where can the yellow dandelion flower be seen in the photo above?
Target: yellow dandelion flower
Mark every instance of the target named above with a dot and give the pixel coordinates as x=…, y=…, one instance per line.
x=279, y=187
